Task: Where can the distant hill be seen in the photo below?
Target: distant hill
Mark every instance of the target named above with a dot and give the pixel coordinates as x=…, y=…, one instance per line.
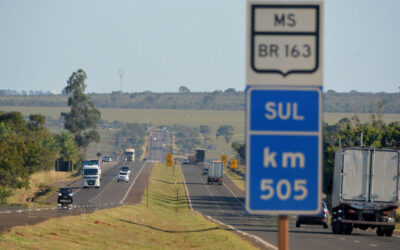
x=353, y=102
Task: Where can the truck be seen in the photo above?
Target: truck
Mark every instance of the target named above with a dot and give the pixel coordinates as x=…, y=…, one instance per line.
x=91, y=173
x=365, y=190
x=215, y=172
x=129, y=154
x=200, y=155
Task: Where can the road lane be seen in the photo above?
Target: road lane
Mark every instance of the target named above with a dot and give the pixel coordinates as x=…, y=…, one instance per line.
x=221, y=204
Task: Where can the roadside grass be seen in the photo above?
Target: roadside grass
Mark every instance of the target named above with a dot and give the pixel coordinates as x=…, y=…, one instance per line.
x=167, y=223
x=236, y=176
x=40, y=186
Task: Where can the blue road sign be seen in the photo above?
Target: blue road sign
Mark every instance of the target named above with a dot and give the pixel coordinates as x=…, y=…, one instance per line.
x=283, y=150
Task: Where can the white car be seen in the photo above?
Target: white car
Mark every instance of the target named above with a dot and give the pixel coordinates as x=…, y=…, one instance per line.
x=123, y=176
x=125, y=169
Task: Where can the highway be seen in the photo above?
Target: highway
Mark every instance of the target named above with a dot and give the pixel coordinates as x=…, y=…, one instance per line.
x=110, y=194
x=220, y=203
x=160, y=144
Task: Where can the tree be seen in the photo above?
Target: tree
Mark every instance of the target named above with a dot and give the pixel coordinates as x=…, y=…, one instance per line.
x=184, y=89
x=81, y=121
x=226, y=131
x=240, y=149
x=69, y=151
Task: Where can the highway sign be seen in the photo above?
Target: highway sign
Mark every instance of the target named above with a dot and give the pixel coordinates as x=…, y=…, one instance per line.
x=224, y=160
x=169, y=161
x=284, y=43
x=283, y=150
x=233, y=163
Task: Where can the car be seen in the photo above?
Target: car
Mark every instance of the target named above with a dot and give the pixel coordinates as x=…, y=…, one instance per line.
x=125, y=169
x=65, y=196
x=123, y=176
x=106, y=158
x=205, y=171
x=321, y=218
x=185, y=161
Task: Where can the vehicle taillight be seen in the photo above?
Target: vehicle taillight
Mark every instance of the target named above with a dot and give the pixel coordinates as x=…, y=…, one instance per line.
x=386, y=213
x=325, y=211
x=352, y=211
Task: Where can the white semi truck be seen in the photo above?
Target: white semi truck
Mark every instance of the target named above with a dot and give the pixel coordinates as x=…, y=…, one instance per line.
x=91, y=174
x=215, y=172
x=365, y=190
x=129, y=154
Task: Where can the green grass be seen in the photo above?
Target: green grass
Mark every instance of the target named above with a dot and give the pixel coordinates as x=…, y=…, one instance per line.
x=167, y=223
x=236, y=176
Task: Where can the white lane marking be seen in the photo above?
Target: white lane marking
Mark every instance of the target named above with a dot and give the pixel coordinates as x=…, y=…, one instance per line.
x=209, y=191
x=395, y=235
x=133, y=182
x=263, y=242
x=356, y=241
x=341, y=238
x=237, y=198
x=186, y=189
x=373, y=245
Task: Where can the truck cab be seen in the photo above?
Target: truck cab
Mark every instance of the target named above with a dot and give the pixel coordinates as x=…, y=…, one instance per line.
x=91, y=174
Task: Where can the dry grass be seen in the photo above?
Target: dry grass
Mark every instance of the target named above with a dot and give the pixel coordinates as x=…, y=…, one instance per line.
x=167, y=223
x=44, y=178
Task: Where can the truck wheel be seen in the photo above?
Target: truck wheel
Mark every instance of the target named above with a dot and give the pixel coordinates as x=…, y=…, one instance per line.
x=297, y=223
x=348, y=228
x=380, y=232
x=325, y=226
x=389, y=233
x=337, y=228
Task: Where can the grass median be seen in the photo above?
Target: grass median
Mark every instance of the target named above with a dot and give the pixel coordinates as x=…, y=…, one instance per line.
x=164, y=222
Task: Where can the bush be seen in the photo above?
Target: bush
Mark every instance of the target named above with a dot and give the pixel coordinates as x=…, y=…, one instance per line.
x=4, y=194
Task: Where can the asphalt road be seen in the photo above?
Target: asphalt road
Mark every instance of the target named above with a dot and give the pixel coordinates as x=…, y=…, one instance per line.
x=160, y=145
x=110, y=194
x=220, y=203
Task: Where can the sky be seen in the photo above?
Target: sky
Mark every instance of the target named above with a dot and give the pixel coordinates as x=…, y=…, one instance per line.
x=161, y=45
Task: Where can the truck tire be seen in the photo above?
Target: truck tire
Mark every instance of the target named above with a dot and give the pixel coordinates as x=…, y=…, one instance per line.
x=347, y=229
x=389, y=232
x=380, y=232
x=325, y=226
x=297, y=223
x=337, y=228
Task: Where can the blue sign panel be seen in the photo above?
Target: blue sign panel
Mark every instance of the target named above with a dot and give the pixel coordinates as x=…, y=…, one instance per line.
x=284, y=110
x=286, y=176
x=283, y=150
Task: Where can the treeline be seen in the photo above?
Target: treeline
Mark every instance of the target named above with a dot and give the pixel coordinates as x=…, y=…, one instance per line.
x=130, y=135
x=348, y=133
x=352, y=102
x=27, y=147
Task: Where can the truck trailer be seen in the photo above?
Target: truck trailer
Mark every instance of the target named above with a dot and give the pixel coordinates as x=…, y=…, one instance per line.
x=215, y=172
x=365, y=190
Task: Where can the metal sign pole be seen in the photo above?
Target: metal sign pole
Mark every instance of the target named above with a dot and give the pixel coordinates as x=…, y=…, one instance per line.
x=283, y=233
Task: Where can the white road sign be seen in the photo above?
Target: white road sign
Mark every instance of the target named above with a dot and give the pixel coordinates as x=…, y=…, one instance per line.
x=284, y=46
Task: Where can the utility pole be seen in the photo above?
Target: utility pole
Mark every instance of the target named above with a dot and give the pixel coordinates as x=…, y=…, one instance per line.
x=121, y=77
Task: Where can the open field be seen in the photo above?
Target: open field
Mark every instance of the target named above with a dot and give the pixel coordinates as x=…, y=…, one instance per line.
x=212, y=118
x=193, y=118
x=166, y=223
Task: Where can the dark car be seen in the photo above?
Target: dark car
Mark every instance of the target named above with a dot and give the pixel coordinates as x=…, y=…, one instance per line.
x=65, y=196
x=321, y=218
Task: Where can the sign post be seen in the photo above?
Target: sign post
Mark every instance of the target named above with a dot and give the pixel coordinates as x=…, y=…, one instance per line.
x=284, y=110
